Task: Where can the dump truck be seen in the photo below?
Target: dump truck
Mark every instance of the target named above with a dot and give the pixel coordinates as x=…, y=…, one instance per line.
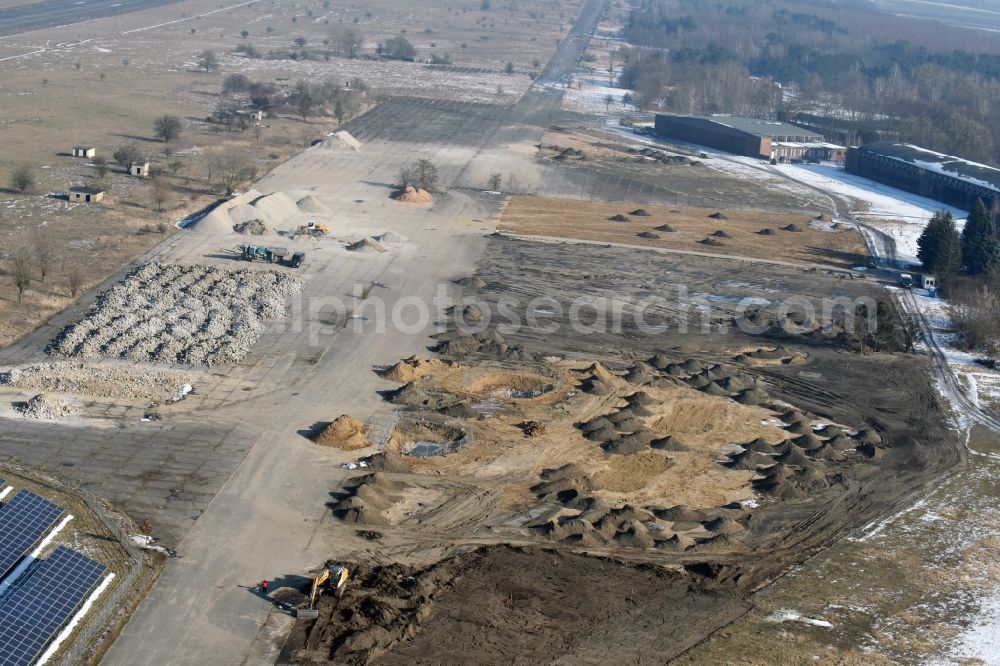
x=905, y=280
x=259, y=252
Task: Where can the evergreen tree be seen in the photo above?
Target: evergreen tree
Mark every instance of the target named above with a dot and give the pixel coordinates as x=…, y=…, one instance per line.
x=940, y=245
x=980, y=247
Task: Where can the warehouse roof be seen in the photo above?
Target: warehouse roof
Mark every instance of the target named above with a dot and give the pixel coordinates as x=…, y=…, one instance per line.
x=772, y=128
x=971, y=172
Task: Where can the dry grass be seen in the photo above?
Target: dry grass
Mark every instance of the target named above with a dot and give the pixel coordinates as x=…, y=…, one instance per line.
x=590, y=221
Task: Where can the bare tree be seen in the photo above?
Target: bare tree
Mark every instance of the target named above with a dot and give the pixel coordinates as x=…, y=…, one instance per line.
x=127, y=154
x=44, y=251
x=23, y=179
x=74, y=281
x=229, y=170
x=426, y=175
x=101, y=167
x=495, y=181
x=160, y=193
x=167, y=127
x=208, y=61
x=20, y=268
x=405, y=177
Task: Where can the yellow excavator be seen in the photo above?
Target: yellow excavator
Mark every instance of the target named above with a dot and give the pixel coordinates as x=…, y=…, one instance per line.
x=332, y=576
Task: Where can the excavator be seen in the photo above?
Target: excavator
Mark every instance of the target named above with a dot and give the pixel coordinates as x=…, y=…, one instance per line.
x=332, y=576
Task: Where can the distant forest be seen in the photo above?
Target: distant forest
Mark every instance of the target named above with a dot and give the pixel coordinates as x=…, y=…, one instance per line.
x=857, y=74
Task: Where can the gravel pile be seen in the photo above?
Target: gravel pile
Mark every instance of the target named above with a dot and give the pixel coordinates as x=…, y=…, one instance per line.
x=45, y=407
x=195, y=315
x=103, y=381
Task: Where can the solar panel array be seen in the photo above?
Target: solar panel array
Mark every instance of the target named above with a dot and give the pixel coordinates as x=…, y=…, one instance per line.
x=24, y=520
x=44, y=603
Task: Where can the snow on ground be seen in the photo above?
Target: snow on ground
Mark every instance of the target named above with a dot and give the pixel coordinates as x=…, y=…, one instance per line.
x=984, y=383
x=590, y=93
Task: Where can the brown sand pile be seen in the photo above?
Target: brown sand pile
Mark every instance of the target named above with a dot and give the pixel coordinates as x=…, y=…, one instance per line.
x=413, y=368
x=345, y=432
x=414, y=195
x=310, y=204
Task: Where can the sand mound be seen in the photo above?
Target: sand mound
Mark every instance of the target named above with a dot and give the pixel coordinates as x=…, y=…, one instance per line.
x=824, y=217
x=640, y=398
x=748, y=460
x=840, y=443
x=639, y=212
x=391, y=238
x=792, y=227
x=868, y=436
x=680, y=514
x=715, y=242
x=618, y=218
x=44, y=406
x=719, y=215
x=719, y=233
x=629, y=444
x=767, y=232
x=277, y=206
x=311, y=204
x=344, y=432
x=386, y=462
x=366, y=245
x=244, y=213
x=341, y=140
x=414, y=195
x=665, y=228
x=760, y=445
x=648, y=234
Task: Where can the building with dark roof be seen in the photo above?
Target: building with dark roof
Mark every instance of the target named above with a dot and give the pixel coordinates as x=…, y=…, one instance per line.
x=767, y=139
x=950, y=180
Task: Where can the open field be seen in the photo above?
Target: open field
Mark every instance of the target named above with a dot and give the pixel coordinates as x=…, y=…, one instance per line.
x=738, y=232
x=103, y=82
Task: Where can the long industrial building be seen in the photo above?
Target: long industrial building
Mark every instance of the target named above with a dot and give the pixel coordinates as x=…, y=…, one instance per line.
x=950, y=180
x=766, y=139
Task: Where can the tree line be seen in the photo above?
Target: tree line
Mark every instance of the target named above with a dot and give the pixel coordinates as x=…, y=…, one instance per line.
x=967, y=266
x=864, y=74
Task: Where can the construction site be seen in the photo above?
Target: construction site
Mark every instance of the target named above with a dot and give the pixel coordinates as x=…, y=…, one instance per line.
x=580, y=397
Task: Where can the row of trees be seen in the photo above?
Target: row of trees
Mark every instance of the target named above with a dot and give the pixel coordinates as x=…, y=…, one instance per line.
x=968, y=269
x=944, y=252
x=342, y=100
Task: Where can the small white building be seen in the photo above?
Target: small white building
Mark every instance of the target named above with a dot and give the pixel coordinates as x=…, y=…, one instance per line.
x=84, y=151
x=86, y=195
x=928, y=282
x=140, y=169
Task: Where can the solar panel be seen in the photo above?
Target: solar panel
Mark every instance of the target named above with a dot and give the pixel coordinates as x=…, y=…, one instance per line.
x=41, y=606
x=24, y=520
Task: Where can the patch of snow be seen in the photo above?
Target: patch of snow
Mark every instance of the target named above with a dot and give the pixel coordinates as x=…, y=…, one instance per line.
x=792, y=616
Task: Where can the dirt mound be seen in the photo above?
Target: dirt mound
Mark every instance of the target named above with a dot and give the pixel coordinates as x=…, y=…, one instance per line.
x=719, y=233
x=640, y=398
x=391, y=238
x=345, y=432
x=665, y=228
x=714, y=242
x=414, y=195
x=44, y=406
x=721, y=542
x=767, y=231
x=824, y=217
x=618, y=218
x=752, y=396
x=760, y=445
x=414, y=368
x=648, y=234
x=496, y=604
x=629, y=444
x=868, y=436
x=341, y=140
x=719, y=215
x=386, y=462
x=680, y=514
x=255, y=228
x=791, y=227
x=472, y=282
x=676, y=544
x=366, y=245
x=310, y=204
x=723, y=525
x=668, y=443
x=411, y=395
x=841, y=443
x=748, y=460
